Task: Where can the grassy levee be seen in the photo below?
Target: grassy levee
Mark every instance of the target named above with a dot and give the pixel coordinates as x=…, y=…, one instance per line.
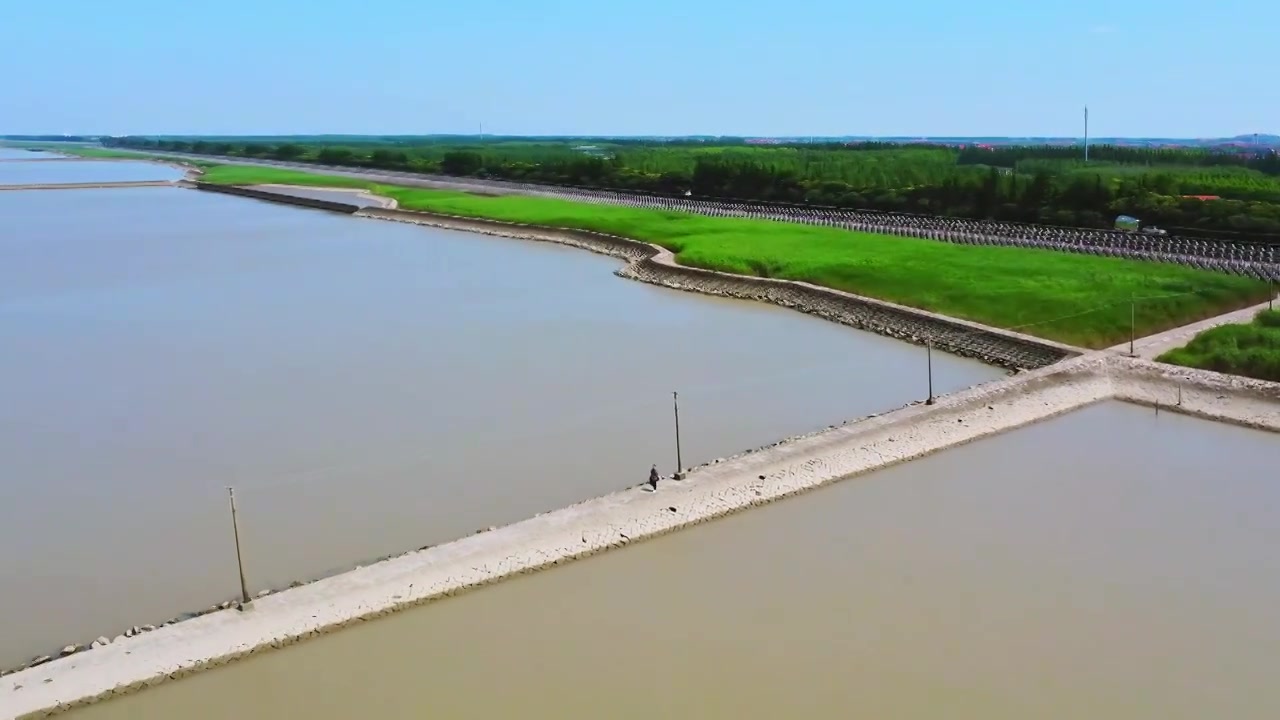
x=1251, y=350
x=91, y=153
x=251, y=175
x=1078, y=299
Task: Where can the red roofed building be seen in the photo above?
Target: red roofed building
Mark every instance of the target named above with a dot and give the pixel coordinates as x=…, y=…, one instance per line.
x=1202, y=197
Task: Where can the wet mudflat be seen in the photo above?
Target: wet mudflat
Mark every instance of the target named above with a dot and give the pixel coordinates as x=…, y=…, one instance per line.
x=367, y=387
x=1108, y=564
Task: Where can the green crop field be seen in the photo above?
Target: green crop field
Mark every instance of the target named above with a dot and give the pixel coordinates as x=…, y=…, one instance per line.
x=1078, y=299
x=1251, y=350
x=250, y=175
x=1224, y=192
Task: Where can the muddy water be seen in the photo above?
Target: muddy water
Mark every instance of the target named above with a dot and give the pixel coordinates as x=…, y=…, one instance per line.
x=14, y=153
x=367, y=387
x=84, y=171
x=1107, y=564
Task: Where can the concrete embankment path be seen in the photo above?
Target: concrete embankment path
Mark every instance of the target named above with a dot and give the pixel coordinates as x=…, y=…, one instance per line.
x=128, y=664
x=90, y=185
x=1154, y=346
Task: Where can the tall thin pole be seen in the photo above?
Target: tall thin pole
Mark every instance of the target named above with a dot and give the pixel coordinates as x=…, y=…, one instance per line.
x=235, y=528
x=928, y=353
x=1133, y=324
x=1086, y=133
x=675, y=403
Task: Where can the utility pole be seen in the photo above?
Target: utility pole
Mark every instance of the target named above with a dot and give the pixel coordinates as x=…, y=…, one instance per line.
x=1086, y=133
x=235, y=529
x=675, y=403
x=1133, y=324
x=928, y=354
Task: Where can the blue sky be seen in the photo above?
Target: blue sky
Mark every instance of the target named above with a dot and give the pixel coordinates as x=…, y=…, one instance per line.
x=804, y=67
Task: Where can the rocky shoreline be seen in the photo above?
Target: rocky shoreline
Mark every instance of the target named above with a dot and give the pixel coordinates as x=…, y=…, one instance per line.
x=656, y=265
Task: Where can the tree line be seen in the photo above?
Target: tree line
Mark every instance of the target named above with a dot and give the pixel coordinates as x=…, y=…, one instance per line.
x=1052, y=185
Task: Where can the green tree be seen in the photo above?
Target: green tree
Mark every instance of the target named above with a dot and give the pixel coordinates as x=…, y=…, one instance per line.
x=288, y=151
x=335, y=156
x=461, y=163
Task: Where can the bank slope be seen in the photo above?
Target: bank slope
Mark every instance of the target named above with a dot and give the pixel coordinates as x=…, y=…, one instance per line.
x=1251, y=350
x=1081, y=300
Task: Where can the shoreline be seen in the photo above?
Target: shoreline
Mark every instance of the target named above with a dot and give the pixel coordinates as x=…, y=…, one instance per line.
x=101, y=185
x=714, y=490
x=381, y=201
x=656, y=265
x=660, y=255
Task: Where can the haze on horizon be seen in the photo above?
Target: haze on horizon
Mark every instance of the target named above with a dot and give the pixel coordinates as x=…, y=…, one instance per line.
x=662, y=67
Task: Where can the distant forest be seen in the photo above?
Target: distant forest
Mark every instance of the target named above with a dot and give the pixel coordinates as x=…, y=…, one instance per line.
x=1199, y=191
x=49, y=138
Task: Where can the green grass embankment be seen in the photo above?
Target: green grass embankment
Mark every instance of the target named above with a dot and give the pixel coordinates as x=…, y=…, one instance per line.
x=1252, y=350
x=1077, y=299
x=96, y=153
x=251, y=175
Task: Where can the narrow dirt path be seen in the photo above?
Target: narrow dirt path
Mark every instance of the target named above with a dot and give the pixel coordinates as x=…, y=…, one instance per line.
x=1153, y=346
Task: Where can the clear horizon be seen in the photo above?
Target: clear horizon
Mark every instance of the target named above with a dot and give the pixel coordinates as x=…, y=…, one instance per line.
x=813, y=68
x=1092, y=139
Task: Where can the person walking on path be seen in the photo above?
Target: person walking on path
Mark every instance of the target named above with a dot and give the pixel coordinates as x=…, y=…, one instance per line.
x=653, y=477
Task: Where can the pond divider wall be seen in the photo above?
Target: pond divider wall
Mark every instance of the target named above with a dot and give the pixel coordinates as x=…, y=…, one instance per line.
x=276, y=197
x=1200, y=393
x=103, y=185
x=713, y=490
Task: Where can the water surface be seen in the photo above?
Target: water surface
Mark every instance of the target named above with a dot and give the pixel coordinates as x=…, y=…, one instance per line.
x=368, y=387
x=13, y=153
x=1106, y=564
x=43, y=172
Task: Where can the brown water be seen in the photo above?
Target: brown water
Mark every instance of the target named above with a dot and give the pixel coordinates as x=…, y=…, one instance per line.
x=15, y=153
x=368, y=387
x=1106, y=564
x=43, y=172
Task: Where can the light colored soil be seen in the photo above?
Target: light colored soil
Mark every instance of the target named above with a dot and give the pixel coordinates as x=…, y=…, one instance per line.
x=1153, y=346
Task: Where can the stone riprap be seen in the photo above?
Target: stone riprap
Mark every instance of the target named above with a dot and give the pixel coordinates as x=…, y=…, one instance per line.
x=277, y=197
x=656, y=265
